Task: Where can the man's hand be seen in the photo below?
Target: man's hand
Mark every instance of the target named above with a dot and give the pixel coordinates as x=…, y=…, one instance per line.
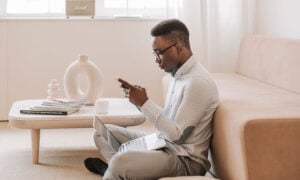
x=136, y=94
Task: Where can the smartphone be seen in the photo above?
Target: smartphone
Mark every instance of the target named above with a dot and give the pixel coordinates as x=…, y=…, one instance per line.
x=125, y=84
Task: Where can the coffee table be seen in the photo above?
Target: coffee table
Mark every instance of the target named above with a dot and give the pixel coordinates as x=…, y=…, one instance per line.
x=121, y=112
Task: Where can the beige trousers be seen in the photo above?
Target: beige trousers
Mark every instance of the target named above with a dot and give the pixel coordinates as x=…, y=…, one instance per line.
x=139, y=165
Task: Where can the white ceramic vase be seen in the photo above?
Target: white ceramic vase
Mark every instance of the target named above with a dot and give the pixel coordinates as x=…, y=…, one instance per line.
x=83, y=67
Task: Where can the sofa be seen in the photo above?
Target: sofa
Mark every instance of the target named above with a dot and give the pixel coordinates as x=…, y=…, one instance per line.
x=256, y=128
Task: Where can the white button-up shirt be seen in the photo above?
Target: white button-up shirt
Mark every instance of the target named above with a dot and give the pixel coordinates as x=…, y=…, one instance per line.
x=185, y=121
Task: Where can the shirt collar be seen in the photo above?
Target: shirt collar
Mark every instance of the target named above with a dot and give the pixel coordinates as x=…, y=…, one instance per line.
x=186, y=67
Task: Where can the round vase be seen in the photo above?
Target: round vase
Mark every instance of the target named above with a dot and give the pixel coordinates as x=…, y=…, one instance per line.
x=83, y=67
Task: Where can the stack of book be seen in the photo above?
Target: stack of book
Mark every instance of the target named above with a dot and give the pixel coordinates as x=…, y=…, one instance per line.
x=55, y=107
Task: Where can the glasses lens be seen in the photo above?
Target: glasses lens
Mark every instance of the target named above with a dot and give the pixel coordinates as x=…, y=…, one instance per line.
x=159, y=54
x=156, y=55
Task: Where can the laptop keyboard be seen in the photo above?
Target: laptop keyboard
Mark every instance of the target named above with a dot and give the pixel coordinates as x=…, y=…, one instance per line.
x=136, y=144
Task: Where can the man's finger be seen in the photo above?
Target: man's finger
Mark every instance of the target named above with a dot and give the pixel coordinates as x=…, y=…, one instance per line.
x=138, y=87
x=125, y=84
x=126, y=91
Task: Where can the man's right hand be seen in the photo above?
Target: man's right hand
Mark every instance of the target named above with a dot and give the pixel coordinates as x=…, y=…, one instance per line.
x=136, y=94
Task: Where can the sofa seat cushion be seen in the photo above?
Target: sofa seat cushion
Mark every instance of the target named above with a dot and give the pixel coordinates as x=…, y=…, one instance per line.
x=242, y=102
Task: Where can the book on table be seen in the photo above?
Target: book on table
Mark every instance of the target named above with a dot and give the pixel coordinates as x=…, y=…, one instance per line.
x=54, y=107
x=46, y=112
x=63, y=102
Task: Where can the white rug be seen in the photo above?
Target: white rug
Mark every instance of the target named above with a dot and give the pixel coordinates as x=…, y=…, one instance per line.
x=62, y=152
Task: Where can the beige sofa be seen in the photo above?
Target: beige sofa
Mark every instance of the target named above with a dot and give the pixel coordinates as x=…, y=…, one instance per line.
x=257, y=125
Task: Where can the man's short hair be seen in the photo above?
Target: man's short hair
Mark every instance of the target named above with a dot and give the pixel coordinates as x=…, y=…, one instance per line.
x=174, y=30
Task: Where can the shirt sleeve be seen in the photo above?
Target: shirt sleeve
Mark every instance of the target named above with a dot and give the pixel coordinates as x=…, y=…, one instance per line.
x=196, y=101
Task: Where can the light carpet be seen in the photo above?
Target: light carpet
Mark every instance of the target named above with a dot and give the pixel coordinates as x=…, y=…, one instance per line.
x=62, y=152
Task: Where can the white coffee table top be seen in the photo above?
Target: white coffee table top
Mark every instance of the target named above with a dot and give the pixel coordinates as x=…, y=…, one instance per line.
x=121, y=112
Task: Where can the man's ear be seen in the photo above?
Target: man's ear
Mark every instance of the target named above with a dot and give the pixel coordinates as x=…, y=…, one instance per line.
x=179, y=47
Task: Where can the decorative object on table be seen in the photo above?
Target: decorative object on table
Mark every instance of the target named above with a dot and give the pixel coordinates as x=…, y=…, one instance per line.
x=53, y=89
x=55, y=106
x=80, y=8
x=83, y=67
x=101, y=106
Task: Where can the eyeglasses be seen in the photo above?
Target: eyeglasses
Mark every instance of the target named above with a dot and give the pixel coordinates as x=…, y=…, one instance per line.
x=159, y=53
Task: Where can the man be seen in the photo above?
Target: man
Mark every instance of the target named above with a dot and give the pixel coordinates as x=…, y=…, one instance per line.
x=185, y=122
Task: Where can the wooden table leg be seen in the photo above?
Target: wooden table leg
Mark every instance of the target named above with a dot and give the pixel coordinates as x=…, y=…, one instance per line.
x=35, y=144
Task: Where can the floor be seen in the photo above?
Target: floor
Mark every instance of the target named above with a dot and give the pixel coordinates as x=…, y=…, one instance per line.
x=62, y=152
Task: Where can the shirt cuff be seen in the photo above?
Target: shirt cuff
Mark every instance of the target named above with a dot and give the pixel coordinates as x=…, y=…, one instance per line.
x=151, y=111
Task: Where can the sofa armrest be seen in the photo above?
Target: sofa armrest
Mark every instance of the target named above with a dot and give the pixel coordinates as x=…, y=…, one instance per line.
x=273, y=148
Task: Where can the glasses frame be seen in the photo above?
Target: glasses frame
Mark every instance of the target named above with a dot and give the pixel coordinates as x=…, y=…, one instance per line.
x=159, y=53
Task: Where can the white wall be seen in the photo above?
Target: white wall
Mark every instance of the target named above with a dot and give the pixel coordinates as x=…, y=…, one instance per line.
x=3, y=71
x=39, y=50
x=34, y=51
x=278, y=18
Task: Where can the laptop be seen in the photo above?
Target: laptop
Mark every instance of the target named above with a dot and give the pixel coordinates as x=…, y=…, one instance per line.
x=145, y=143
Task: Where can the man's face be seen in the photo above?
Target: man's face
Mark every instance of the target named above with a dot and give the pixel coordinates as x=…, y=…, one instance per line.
x=166, y=54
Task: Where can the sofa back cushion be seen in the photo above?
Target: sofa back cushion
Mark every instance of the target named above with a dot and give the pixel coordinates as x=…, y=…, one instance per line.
x=274, y=61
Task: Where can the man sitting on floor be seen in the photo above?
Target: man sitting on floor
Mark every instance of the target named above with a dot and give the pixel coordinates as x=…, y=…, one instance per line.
x=185, y=122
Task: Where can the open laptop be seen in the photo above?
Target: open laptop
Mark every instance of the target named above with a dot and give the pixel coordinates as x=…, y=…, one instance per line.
x=148, y=142
x=145, y=143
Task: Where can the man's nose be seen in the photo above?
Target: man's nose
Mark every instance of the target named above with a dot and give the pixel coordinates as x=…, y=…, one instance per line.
x=157, y=60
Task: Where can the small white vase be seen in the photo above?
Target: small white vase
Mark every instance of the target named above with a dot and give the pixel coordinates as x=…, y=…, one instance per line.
x=83, y=66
